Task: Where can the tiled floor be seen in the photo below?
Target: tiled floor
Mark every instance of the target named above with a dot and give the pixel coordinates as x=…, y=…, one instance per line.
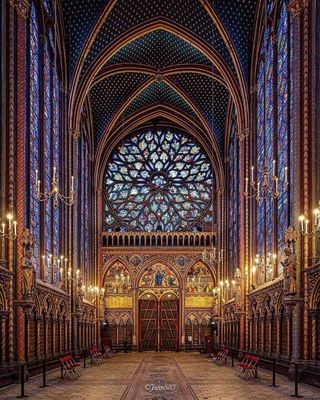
x=152, y=376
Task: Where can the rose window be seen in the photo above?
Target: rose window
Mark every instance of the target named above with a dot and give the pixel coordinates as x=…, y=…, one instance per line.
x=157, y=181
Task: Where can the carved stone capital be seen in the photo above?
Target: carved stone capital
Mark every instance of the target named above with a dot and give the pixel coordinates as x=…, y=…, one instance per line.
x=63, y=89
x=295, y=8
x=220, y=191
x=75, y=133
x=243, y=134
x=254, y=89
x=22, y=7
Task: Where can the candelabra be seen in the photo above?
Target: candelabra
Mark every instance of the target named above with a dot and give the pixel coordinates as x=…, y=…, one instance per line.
x=50, y=262
x=266, y=187
x=212, y=256
x=54, y=193
x=93, y=292
x=11, y=232
x=304, y=224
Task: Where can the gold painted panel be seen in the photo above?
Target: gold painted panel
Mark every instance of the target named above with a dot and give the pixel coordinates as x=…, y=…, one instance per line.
x=199, y=302
x=119, y=302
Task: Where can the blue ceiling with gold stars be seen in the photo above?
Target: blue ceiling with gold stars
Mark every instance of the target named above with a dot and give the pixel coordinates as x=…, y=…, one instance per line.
x=159, y=49
x=108, y=95
x=159, y=92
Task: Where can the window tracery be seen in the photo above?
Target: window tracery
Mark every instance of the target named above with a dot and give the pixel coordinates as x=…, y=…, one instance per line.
x=44, y=136
x=158, y=180
x=273, y=130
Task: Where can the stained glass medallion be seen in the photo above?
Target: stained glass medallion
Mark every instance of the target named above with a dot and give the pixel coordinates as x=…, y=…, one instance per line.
x=157, y=181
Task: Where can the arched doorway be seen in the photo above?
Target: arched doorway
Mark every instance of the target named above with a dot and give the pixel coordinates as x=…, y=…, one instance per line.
x=158, y=309
x=158, y=322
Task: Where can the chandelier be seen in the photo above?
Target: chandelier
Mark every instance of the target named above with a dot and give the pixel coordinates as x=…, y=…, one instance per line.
x=10, y=232
x=54, y=193
x=269, y=184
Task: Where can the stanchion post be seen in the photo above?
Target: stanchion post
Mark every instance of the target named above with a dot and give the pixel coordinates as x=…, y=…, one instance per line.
x=296, y=382
x=274, y=373
x=232, y=359
x=84, y=359
x=44, y=374
x=22, y=381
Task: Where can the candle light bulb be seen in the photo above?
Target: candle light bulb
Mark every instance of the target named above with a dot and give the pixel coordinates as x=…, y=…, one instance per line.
x=15, y=228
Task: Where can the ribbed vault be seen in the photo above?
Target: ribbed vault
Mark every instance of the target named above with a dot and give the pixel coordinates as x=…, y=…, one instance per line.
x=187, y=59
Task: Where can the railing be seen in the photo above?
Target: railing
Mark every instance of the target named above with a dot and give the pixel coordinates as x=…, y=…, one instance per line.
x=18, y=370
x=157, y=239
x=275, y=363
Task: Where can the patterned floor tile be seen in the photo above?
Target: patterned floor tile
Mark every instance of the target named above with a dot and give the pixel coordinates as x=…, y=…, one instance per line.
x=164, y=376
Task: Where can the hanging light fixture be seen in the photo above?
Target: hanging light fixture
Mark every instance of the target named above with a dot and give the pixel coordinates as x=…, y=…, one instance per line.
x=54, y=193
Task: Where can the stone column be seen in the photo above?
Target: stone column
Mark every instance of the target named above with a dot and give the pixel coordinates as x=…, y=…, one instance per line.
x=314, y=339
x=21, y=10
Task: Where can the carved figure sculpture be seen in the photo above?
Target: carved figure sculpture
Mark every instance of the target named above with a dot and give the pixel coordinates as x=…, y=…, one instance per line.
x=288, y=261
x=27, y=265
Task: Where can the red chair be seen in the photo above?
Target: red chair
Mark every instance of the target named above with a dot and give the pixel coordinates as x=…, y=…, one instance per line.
x=245, y=362
x=250, y=370
x=68, y=368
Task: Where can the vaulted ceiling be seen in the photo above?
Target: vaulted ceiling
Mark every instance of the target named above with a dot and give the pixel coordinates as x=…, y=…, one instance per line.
x=129, y=55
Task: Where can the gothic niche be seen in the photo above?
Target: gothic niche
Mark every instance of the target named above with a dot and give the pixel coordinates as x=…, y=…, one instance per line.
x=118, y=280
x=158, y=275
x=118, y=287
x=199, y=286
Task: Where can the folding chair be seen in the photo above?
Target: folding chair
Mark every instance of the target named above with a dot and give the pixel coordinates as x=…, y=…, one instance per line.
x=240, y=366
x=96, y=356
x=76, y=365
x=68, y=369
x=250, y=370
x=223, y=357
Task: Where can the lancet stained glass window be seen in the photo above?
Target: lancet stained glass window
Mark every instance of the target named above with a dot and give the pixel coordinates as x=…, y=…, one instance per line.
x=157, y=180
x=44, y=139
x=283, y=122
x=234, y=217
x=273, y=131
x=34, y=155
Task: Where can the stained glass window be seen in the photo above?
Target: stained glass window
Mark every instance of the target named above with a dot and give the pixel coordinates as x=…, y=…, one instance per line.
x=273, y=131
x=260, y=154
x=44, y=116
x=234, y=217
x=34, y=156
x=47, y=159
x=157, y=180
x=283, y=124
x=56, y=161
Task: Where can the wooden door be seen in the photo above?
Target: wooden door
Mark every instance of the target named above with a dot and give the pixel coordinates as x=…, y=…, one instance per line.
x=169, y=323
x=148, y=323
